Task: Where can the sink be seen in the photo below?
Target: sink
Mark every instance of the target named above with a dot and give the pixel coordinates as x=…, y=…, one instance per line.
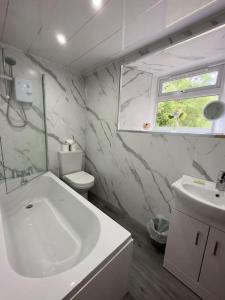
x=200, y=198
x=206, y=194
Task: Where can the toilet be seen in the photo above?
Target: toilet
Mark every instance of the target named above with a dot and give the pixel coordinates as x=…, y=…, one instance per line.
x=70, y=169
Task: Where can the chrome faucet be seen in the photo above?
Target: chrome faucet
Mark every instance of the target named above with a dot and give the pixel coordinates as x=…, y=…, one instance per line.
x=220, y=183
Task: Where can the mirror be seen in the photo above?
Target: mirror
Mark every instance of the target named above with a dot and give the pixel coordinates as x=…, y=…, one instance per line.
x=214, y=110
x=178, y=89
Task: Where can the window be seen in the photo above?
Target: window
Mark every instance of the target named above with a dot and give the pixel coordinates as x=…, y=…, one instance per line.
x=184, y=113
x=191, y=82
x=173, y=103
x=182, y=98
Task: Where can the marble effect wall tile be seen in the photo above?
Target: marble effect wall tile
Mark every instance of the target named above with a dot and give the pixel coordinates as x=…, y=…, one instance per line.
x=134, y=171
x=65, y=114
x=23, y=147
x=135, y=92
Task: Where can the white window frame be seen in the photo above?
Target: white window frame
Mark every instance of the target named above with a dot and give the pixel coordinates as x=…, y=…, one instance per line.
x=211, y=90
x=198, y=91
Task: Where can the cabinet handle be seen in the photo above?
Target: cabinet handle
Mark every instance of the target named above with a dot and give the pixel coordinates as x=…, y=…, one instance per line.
x=215, y=248
x=197, y=238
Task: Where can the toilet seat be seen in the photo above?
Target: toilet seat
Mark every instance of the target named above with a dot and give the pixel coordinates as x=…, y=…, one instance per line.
x=80, y=180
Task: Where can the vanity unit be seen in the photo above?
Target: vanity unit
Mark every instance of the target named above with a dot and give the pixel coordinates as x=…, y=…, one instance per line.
x=195, y=251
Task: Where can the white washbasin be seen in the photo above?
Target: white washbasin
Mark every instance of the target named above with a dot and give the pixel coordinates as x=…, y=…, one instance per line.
x=201, y=199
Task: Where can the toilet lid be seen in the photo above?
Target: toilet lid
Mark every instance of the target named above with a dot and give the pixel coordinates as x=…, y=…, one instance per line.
x=80, y=179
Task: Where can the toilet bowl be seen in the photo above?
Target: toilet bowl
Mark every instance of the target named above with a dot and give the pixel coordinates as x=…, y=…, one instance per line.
x=70, y=167
x=80, y=181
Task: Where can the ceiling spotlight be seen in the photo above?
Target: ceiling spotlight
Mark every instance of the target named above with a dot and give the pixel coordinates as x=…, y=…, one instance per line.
x=97, y=4
x=61, y=38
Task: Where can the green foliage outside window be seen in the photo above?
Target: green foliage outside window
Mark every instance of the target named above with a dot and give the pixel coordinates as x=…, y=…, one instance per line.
x=186, y=83
x=186, y=112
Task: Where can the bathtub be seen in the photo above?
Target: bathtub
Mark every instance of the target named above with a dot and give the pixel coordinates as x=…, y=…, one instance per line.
x=56, y=245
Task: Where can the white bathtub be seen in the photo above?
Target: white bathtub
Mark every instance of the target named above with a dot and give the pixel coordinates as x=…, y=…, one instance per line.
x=55, y=245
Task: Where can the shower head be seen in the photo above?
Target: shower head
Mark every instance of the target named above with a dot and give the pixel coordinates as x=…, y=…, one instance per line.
x=10, y=61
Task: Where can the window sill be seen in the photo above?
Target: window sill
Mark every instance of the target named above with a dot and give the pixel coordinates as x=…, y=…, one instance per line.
x=157, y=132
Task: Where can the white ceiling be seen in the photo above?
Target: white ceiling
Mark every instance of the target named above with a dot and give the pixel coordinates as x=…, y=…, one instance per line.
x=94, y=37
x=202, y=50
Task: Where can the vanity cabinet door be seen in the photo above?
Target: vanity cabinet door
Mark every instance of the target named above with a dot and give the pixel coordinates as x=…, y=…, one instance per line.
x=185, y=246
x=212, y=276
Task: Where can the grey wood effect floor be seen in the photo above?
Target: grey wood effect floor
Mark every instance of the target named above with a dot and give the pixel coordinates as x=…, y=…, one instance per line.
x=148, y=280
